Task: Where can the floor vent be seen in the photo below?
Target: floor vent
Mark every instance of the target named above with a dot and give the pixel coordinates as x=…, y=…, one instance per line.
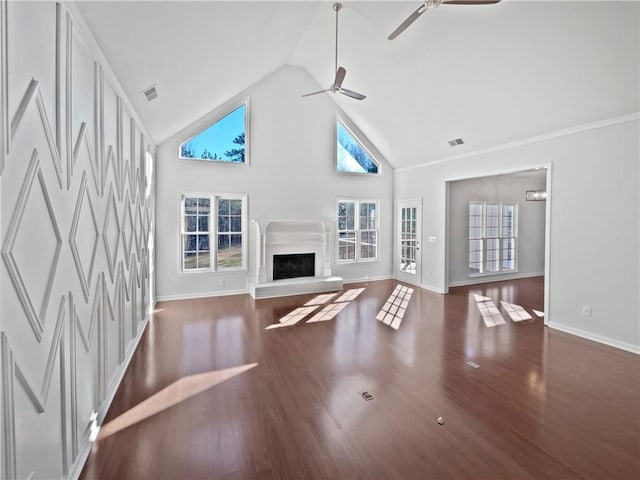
x=367, y=396
x=473, y=364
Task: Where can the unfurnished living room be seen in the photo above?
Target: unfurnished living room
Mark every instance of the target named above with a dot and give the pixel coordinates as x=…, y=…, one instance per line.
x=319, y=239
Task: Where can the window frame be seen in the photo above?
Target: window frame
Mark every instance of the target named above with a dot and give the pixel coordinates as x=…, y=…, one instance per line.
x=215, y=117
x=362, y=141
x=357, y=230
x=498, y=239
x=212, y=232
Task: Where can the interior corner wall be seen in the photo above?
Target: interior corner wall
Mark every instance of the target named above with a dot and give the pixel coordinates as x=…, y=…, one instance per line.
x=290, y=176
x=530, y=220
x=77, y=214
x=594, y=224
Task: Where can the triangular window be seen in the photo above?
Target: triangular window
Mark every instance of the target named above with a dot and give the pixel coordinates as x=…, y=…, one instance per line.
x=351, y=154
x=223, y=141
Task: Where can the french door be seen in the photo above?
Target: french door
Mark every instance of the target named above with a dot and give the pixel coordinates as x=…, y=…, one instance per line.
x=408, y=234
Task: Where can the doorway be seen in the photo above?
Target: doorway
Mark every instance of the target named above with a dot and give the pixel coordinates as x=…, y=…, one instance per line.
x=408, y=255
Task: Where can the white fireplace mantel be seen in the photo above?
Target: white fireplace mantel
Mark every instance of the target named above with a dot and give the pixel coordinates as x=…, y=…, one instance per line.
x=280, y=237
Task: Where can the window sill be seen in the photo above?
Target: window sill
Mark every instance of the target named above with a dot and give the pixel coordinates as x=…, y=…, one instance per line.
x=189, y=273
x=351, y=262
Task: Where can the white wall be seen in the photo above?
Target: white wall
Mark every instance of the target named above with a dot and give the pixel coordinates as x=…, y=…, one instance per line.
x=291, y=175
x=508, y=189
x=77, y=241
x=594, y=235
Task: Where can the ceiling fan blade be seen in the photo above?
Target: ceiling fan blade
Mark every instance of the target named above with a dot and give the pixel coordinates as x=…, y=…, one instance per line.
x=316, y=93
x=340, y=74
x=404, y=25
x=470, y=2
x=351, y=93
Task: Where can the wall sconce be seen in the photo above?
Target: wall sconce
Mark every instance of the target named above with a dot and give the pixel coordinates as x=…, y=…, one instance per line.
x=536, y=195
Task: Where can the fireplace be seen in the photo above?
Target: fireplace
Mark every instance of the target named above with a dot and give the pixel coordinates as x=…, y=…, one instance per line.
x=293, y=257
x=294, y=265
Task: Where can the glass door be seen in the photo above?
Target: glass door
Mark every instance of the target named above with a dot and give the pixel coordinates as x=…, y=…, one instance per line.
x=408, y=235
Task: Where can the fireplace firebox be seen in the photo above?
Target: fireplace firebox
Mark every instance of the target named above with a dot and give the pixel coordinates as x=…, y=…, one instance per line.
x=294, y=265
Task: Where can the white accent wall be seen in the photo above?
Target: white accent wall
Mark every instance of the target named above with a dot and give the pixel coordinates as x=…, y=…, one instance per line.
x=509, y=189
x=594, y=222
x=77, y=217
x=290, y=176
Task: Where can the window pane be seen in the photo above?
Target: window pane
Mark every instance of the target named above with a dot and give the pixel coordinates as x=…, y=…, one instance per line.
x=223, y=206
x=223, y=141
x=493, y=255
x=347, y=246
x=508, y=254
x=493, y=221
x=190, y=205
x=204, y=260
x=190, y=222
x=223, y=224
x=507, y=220
x=236, y=224
x=203, y=242
x=203, y=223
x=190, y=242
x=475, y=256
x=235, y=207
x=368, y=245
x=203, y=205
x=229, y=251
x=190, y=260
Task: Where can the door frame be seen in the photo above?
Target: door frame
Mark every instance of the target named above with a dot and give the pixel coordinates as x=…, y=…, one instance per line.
x=398, y=204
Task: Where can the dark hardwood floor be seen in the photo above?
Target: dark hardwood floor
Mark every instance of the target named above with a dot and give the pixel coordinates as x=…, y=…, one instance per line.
x=211, y=394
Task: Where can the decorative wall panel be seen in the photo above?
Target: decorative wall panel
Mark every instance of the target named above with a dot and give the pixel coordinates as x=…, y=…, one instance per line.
x=76, y=212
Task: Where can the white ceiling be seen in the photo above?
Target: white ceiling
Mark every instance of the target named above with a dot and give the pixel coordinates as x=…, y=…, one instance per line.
x=489, y=74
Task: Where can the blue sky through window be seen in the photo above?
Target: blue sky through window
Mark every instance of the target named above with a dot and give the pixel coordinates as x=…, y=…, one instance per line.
x=351, y=156
x=222, y=141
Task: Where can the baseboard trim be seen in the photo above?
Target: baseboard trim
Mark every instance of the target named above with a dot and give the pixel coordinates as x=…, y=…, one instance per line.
x=494, y=278
x=628, y=347
x=433, y=289
x=367, y=279
x=189, y=296
x=85, y=449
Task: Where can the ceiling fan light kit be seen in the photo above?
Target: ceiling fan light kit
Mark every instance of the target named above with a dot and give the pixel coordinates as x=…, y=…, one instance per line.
x=341, y=72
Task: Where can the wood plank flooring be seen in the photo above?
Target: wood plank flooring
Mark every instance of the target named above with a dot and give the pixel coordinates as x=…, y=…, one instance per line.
x=212, y=394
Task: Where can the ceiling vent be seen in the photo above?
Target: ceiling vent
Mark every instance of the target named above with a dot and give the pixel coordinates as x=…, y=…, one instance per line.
x=455, y=142
x=150, y=93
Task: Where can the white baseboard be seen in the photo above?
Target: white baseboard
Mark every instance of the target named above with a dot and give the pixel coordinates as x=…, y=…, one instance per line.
x=85, y=448
x=188, y=296
x=596, y=338
x=494, y=278
x=432, y=289
x=367, y=279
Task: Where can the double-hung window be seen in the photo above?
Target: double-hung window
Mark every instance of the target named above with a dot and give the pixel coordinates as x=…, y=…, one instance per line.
x=492, y=237
x=213, y=232
x=357, y=230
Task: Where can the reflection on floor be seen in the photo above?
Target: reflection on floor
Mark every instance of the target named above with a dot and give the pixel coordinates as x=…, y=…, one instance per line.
x=516, y=312
x=538, y=313
x=327, y=313
x=395, y=307
x=492, y=316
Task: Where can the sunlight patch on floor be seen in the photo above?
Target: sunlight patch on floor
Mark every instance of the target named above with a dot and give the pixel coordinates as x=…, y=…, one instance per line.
x=516, y=312
x=393, y=311
x=175, y=393
x=328, y=313
x=293, y=317
x=490, y=313
x=350, y=295
x=320, y=299
x=538, y=313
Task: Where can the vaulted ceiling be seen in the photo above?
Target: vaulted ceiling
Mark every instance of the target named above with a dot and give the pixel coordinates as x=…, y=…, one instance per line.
x=489, y=74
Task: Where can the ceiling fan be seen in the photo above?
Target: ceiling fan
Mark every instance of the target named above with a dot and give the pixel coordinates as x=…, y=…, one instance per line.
x=336, y=87
x=428, y=5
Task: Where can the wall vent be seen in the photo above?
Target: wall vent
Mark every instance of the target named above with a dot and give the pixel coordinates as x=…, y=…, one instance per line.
x=455, y=142
x=150, y=93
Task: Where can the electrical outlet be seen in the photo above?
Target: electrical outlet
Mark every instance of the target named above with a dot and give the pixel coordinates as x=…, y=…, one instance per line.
x=586, y=310
x=223, y=282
